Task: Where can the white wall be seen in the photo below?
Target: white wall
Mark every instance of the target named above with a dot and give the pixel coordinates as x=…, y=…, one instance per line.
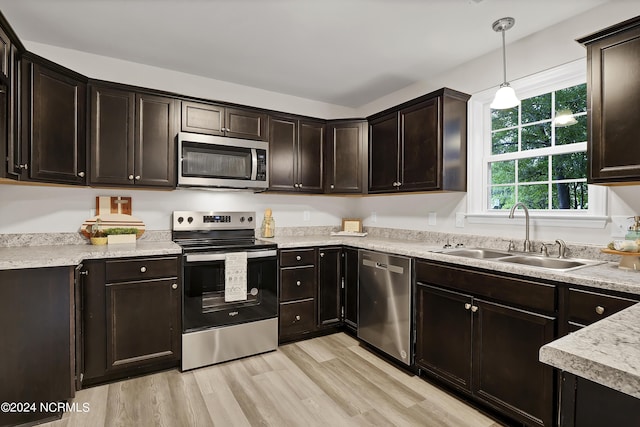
x=38, y=209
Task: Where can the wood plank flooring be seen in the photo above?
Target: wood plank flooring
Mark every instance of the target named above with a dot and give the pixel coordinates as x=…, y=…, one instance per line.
x=325, y=381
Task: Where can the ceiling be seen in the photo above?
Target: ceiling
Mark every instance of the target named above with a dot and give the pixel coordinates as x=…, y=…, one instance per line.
x=343, y=52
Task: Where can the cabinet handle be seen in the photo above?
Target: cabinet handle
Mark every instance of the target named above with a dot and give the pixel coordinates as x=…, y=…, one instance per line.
x=298, y=283
x=474, y=308
x=81, y=174
x=130, y=177
x=84, y=272
x=143, y=269
x=600, y=309
x=137, y=177
x=297, y=319
x=23, y=166
x=467, y=306
x=174, y=286
x=298, y=258
x=321, y=254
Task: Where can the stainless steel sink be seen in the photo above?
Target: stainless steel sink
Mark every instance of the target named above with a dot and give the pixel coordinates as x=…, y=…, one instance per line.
x=551, y=263
x=479, y=253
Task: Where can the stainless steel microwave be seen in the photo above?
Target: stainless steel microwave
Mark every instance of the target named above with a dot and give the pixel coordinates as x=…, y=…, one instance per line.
x=220, y=162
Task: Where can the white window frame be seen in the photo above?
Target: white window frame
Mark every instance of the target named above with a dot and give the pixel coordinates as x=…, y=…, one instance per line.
x=479, y=150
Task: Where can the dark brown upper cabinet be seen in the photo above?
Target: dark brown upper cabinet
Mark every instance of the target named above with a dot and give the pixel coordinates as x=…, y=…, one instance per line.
x=133, y=137
x=296, y=147
x=613, y=111
x=346, y=157
x=420, y=145
x=215, y=119
x=52, y=121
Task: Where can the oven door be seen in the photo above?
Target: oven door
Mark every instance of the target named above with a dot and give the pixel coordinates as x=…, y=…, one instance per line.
x=204, y=303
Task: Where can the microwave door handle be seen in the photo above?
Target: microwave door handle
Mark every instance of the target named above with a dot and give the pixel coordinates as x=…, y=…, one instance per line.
x=254, y=164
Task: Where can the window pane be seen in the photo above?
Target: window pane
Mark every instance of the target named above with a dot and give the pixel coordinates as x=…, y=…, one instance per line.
x=536, y=136
x=572, y=195
x=536, y=109
x=505, y=141
x=502, y=197
x=572, y=98
x=572, y=134
x=501, y=119
x=569, y=166
x=533, y=169
x=503, y=172
x=534, y=196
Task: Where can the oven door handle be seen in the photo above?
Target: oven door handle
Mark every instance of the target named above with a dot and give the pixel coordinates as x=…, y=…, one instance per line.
x=221, y=256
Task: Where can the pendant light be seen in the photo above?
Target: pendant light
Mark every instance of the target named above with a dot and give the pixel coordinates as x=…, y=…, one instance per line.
x=505, y=96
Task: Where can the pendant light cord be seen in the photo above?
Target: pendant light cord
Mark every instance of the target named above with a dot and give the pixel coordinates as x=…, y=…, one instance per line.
x=504, y=57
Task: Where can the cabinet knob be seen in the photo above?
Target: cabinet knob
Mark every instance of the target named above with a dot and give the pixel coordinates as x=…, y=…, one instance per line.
x=474, y=308
x=81, y=174
x=297, y=319
x=298, y=258
x=333, y=186
x=600, y=309
x=130, y=177
x=137, y=177
x=295, y=185
x=143, y=269
x=467, y=306
x=300, y=185
x=23, y=166
x=321, y=254
x=174, y=286
x=298, y=283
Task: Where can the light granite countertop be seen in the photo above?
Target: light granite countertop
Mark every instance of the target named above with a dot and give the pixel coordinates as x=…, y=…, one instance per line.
x=62, y=255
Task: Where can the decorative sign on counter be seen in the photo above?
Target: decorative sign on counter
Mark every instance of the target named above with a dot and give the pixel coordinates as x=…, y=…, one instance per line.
x=352, y=225
x=113, y=218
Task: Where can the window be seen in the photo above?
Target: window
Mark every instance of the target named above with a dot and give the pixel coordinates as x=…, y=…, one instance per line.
x=525, y=155
x=538, y=152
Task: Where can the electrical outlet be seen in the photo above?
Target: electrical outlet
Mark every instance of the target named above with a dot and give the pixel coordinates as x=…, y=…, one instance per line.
x=374, y=217
x=459, y=219
x=620, y=225
x=431, y=218
x=306, y=215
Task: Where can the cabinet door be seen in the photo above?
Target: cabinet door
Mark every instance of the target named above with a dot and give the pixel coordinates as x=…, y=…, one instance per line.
x=142, y=323
x=345, y=158
x=329, y=286
x=5, y=54
x=202, y=118
x=420, y=147
x=383, y=153
x=56, y=139
x=310, y=156
x=94, y=338
x=112, y=136
x=155, y=141
x=507, y=372
x=443, y=334
x=247, y=124
x=350, y=274
x=282, y=158
x=15, y=161
x=614, y=83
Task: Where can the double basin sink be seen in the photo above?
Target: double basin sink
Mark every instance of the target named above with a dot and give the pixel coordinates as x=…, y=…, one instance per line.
x=549, y=263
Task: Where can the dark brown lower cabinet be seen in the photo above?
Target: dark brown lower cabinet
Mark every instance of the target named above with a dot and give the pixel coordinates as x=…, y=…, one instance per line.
x=131, y=320
x=350, y=295
x=37, y=361
x=588, y=404
x=329, y=286
x=487, y=349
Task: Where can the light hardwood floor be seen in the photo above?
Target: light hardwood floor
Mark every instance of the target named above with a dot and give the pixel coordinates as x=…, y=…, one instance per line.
x=326, y=381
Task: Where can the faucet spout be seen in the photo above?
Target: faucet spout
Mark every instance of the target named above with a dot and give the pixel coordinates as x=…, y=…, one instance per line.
x=527, y=242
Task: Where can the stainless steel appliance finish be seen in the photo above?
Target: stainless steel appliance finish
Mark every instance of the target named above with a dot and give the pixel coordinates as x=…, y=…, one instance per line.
x=220, y=162
x=384, y=303
x=213, y=329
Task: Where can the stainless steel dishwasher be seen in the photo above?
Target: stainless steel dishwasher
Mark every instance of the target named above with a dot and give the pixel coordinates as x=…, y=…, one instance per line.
x=384, y=303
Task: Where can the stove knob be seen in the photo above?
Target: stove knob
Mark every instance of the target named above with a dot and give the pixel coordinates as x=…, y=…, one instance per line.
x=250, y=219
x=241, y=219
x=180, y=220
x=190, y=220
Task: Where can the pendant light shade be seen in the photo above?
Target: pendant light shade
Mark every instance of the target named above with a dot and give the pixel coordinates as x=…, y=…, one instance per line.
x=505, y=96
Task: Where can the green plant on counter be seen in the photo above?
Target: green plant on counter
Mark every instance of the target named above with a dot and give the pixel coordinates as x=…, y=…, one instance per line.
x=120, y=230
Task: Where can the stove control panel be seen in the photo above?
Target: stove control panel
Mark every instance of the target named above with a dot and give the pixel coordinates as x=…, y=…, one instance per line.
x=194, y=220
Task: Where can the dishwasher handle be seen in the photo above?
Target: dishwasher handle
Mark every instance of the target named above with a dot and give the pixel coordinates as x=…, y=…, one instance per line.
x=382, y=266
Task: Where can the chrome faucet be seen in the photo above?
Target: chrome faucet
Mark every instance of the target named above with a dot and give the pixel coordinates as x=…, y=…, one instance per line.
x=562, y=248
x=527, y=242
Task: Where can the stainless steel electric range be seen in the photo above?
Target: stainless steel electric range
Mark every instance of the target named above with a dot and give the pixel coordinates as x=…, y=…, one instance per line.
x=230, y=299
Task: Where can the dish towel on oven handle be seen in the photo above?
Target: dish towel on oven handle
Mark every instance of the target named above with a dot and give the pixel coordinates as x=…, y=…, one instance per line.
x=235, y=276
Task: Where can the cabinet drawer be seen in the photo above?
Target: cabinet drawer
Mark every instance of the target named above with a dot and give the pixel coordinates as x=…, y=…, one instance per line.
x=297, y=257
x=297, y=283
x=297, y=317
x=140, y=269
x=587, y=307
